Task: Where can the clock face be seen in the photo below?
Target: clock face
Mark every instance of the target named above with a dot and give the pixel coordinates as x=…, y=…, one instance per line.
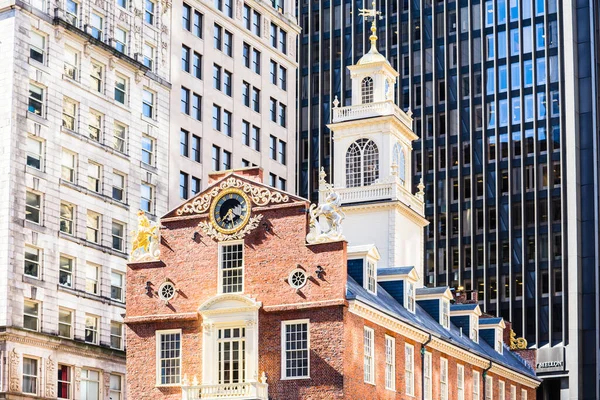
x=231, y=211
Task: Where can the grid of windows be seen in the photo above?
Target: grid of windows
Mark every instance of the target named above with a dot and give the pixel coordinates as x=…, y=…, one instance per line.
x=296, y=349
x=232, y=268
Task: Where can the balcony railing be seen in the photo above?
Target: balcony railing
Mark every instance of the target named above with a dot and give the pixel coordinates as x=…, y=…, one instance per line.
x=380, y=191
x=235, y=391
x=369, y=110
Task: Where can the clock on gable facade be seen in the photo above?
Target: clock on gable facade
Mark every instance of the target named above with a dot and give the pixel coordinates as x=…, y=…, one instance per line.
x=230, y=211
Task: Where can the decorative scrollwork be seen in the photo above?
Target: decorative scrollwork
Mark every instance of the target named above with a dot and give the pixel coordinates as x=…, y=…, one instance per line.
x=260, y=196
x=517, y=343
x=50, y=388
x=14, y=384
x=211, y=232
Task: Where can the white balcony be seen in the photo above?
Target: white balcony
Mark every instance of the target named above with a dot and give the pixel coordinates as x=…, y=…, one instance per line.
x=380, y=191
x=370, y=110
x=236, y=391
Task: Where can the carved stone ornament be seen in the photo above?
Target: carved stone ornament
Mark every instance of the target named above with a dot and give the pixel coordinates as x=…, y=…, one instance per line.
x=239, y=4
x=266, y=27
x=327, y=217
x=50, y=388
x=146, y=240
x=14, y=384
x=58, y=34
x=138, y=76
x=111, y=63
x=87, y=49
x=166, y=5
x=137, y=12
x=77, y=379
x=207, y=327
x=123, y=17
x=100, y=3
x=106, y=384
x=210, y=231
x=260, y=196
x=292, y=45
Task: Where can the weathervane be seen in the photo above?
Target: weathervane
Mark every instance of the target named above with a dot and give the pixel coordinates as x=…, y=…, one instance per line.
x=366, y=12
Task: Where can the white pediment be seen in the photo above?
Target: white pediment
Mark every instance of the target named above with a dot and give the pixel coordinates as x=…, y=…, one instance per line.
x=228, y=303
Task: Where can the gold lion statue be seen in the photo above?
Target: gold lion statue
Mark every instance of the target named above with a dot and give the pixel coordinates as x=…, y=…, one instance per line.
x=145, y=240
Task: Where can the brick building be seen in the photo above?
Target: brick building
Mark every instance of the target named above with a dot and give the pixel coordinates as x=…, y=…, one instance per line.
x=239, y=306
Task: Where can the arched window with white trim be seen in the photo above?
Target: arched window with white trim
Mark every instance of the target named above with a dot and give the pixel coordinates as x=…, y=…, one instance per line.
x=362, y=163
x=399, y=158
x=367, y=90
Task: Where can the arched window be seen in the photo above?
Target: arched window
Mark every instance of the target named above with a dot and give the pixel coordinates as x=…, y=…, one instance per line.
x=399, y=158
x=362, y=163
x=367, y=90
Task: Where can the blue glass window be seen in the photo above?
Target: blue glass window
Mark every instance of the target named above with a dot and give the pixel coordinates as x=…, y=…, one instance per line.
x=527, y=35
x=515, y=76
x=502, y=78
x=553, y=68
x=541, y=71
x=526, y=9
x=529, y=108
x=541, y=103
x=491, y=115
x=528, y=73
x=501, y=11
x=516, y=110
x=502, y=44
x=503, y=112
x=489, y=13
x=515, y=45
x=490, y=81
x=539, y=7
x=514, y=10
x=490, y=46
x=555, y=106
x=555, y=137
x=540, y=36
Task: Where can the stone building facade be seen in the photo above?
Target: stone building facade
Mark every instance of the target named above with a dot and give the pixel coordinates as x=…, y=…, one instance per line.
x=233, y=74
x=84, y=114
x=240, y=306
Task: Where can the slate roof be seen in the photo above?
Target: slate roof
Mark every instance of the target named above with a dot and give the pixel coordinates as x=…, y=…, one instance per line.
x=431, y=290
x=394, y=271
x=385, y=303
x=489, y=321
x=463, y=307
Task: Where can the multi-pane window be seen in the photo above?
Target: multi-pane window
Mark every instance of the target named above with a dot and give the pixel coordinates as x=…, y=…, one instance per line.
x=91, y=329
x=148, y=55
x=443, y=379
x=186, y=14
x=489, y=388
x=72, y=12
x=445, y=314
x=282, y=78
x=218, y=37
x=92, y=275
x=65, y=323
x=246, y=54
x=149, y=11
x=30, y=375
x=216, y=117
x=96, y=76
x=282, y=152
x=185, y=100
x=120, y=39
x=273, y=109
x=95, y=125
x=67, y=218
x=255, y=138
x=196, y=106
x=116, y=335
x=33, y=207
x=69, y=118
x=147, y=150
x=168, y=348
x=184, y=142
x=118, y=236
x=198, y=22
x=183, y=185
x=120, y=138
x=227, y=81
x=195, y=153
x=409, y=369
x=216, y=158
x=90, y=384
x=428, y=376
x=272, y=147
x=116, y=387
x=256, y=61
x=148, y=103
x=217, y=76
x=68, y=166
x=246, y=94
x=501, y=390
x=197, y=65
x=31, y=315
x=460, y=382
x=37, y=46
x=256, y=23
x=64, y=382
x=32, y=261
x=371, y=280
x=118, y=189
x=231, y=344
x=185, y=58
x=65, y=272
x=96, y=25
x=94, y=177
x=362, y=163
x=369, y=351
x=296, y=349
x=227, y=117
x=232, y=268
x=120, y=89
x=226, y=160
x=36, y=100
x=390, y=363
x=256, y=99
x=93, y=227
x=476, y=385
x=246, y=132
x=35, y=153
x=117, y=281
x=282, y=114
x=147, y=198
x=195, y=185
x=228, y=43
x=278, y=38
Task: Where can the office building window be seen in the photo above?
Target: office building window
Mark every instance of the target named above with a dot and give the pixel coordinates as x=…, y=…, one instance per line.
x=148, y=56
x=147, y=198
x=195, y=155
x=116, y=335
x=256, y=99
x=216, y=158
x=96, y=26
x=147, y=150
x=183, y=185
x=90, y=384
x=195, y=185
x=96, y=79
x=92, y=276
x=67, y=218
x=196, y=106
x=33, y=207
x=185, y=100
x=118, y=188
x=149, y=11
x=120, y=40
x=117, y=285
x=197, y=65
x=255, y=136
x=185, y=58
x=148, y=103
x=118, y=232
x=91, y=329
x=69, y=118
x=71, y=66
x=36, y=100
x=30, y=375
x=35, y=153
x=65, y=323
x=64, y=387
x=65, y=272
x=121, y=89
x=116, y=387
x=32, y=261
x=31, y=315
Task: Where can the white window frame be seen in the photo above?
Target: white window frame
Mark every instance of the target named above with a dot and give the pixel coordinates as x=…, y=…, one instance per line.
x=98, y=78
x=501, y=390
x=475, y=328
x=523, y=394
x=284, y=325
x=460, y=382
x=94, y=175
x=70, y=110
x=69, y=382
x=370, y=274
x=428, y=376
x=445, y=313
x=34, y=208
x=489, y=388
x=390, y=363
x=443, y=378
x=85, y=377
x=114, y=335
x=409, y=369
x=35, y=151
x=34, y=316
x=119, y=187
x=243, y=267
x=95, y=125
x=122, y=287
x=513, y=392
x=94, y=329
x=409, y=299
x=114, y=392
x=159, y=334
x=122, y=244
x=38, y=263
x=97, y=229
x=369, y=355
x=68, y=272
x=37, y=375
x=36, y=48
x=42, y=102
x=71, y=65
x=70, y=169
x=122, y=40
x=70, y=324
x=150, y=200
x=476, y=385
x=149, y=100
x=149, y=152
x=94, y=281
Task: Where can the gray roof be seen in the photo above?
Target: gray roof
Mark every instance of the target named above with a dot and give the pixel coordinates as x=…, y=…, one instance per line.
x=463, y=307
x=489, y=321
x=386, y=304
x=394, y=271
x=431, y=290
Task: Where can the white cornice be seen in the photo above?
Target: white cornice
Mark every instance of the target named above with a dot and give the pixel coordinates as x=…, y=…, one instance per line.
x=402, y=208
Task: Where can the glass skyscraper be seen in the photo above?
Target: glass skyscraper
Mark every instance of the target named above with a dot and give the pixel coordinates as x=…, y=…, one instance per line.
x=504, y=96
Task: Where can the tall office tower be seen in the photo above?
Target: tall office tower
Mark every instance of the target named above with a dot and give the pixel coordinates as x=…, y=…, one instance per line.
x=233, y=73
x=84, y=117
x=504, y=96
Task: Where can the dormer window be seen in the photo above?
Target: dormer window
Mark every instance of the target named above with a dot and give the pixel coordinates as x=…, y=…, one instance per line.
x=499, y=346
x=370, y=276
x=367, y=90
x=474, y=329
x=410, y=297
x=445, y=314
x=362, y=163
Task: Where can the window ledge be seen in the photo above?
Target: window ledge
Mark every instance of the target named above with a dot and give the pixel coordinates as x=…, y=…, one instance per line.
x=149, y=168
x=32, y=280
x=37, y=118
x=36, y=227
x=35, y=172
x=92, y=245
x=149, y=120
x=103, y=146
x=87, y=191
x=87, y=295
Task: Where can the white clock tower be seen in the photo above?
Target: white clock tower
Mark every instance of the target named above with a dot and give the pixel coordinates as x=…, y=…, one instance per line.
x=373, y=167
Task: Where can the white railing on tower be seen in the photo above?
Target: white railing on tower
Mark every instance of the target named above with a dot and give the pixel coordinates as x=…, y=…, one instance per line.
x=233, y=391
x=369, y=110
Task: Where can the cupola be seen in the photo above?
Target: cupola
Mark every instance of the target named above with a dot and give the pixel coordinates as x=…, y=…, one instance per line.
x=362, y=266
x=400, y=282
x=436, y=302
